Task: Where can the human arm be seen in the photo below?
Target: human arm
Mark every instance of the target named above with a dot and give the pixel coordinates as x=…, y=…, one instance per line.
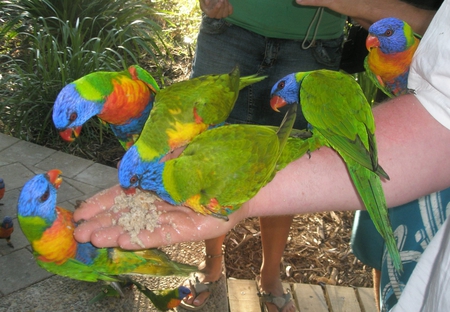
x=366, y=12
x=410, y=150
x=216, y=8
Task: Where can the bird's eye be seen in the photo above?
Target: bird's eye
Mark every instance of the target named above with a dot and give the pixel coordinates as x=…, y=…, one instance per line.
x=134, y=179
x=45, y=196
x=73, y=117
x=281, y=85
x=388, y=32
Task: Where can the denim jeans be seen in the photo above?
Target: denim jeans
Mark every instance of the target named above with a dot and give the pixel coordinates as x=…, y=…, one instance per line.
x=221, y=46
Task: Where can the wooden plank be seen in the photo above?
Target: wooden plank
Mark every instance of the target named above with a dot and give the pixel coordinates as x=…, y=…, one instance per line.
x=367, y=299
x=242, y=296
x=310, y=298
x=342, y=299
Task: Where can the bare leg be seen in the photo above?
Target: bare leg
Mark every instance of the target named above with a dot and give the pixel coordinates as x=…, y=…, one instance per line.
x=210, y=270
x=274, y=233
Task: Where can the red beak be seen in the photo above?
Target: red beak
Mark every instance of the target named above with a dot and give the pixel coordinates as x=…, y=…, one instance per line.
x=276, y=102
x=54, y=176
x=372, y=42
x=70, y=134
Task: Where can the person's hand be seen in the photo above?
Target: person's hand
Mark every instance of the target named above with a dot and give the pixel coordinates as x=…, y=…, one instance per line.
x=366, y=12
x=216, y=8
x=176, y=224
x=359, y=10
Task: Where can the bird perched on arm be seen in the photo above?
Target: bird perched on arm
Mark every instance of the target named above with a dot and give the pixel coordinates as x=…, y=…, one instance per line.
x=341, y=118
x=121, y=99
x=391, y=43
x=6, y=229
x=219, y=170
x=50, y=229
x=188, y=108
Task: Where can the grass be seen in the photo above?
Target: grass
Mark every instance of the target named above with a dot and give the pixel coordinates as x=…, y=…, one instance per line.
x=47, y=44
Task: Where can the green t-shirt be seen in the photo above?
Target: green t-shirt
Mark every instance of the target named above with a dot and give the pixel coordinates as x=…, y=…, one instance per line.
x=284, y=19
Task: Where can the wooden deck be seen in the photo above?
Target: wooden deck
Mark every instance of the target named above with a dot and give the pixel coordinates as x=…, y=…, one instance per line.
x=315, y=298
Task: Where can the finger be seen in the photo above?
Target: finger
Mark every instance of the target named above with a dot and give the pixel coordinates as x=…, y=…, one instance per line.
x=85, y=230
x=98, y=203
x=107, y=237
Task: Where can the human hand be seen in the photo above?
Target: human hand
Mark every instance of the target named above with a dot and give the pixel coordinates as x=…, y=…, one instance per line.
x=216, y=8
x=175, y=224
x=359, y=10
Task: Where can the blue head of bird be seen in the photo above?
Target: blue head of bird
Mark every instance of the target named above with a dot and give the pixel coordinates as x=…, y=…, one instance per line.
x=135, y=172
x=7, y=223
x=71, y=111
x=38, y=196
x=390, y=35
x=183, y=292
x=286, y=91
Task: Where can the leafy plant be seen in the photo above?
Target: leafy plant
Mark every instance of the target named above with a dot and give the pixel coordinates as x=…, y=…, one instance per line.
x=49, y=43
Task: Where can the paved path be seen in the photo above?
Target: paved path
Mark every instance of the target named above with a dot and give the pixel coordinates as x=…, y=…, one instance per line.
x=24, y=286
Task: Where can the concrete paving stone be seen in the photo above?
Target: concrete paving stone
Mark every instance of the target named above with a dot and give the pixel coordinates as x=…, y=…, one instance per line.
x=70, y=165
x=26, y=153
x=15, y=175
x=99, y=175
x=9, y=201
x=18, y=240
x=84, y=188
x=66, y=295
x=7, y=141
x=19, y=270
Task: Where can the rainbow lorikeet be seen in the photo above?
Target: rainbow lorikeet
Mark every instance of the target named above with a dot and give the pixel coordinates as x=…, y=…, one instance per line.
x=49, y=229
x=186, y=109
x=165, y=299
x=391, y=44
x=6, y=229
x=2, y=189
x=341, y=118
x=121, y=99
x=219, y=170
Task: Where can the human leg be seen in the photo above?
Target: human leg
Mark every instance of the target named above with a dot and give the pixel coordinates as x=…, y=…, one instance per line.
x=209, y=271
x=274, y=233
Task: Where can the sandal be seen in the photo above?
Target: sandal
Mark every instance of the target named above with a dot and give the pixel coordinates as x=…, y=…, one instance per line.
x=280, y=302
x=217, y=299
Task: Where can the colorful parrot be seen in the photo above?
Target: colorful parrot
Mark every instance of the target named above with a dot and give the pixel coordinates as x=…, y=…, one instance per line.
x=50, y=229
x=217, y=172
x=6, y=229
x=2, y=189
x=165, y=299
x=391, y=44
x=186, y=109
x=341, y=118
x=121, y=99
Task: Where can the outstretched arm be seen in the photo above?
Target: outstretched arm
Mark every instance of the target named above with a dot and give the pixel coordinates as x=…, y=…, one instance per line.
x=411, y=149
x=366, y=12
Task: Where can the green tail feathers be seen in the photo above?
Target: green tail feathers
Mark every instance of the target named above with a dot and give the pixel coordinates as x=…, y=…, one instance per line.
x=371, y=192
x=248, y=80
x=286, y=126
x=160, y=264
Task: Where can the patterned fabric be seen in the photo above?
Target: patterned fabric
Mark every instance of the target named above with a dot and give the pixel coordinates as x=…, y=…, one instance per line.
x=414, y=225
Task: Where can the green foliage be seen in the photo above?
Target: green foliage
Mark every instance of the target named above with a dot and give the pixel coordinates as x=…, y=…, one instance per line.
x=46, y=44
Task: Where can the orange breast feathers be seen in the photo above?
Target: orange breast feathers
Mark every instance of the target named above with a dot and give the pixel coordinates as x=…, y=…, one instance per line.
x=4, y=233
x=390, y=66
x=57, y=243
x=128, y=100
